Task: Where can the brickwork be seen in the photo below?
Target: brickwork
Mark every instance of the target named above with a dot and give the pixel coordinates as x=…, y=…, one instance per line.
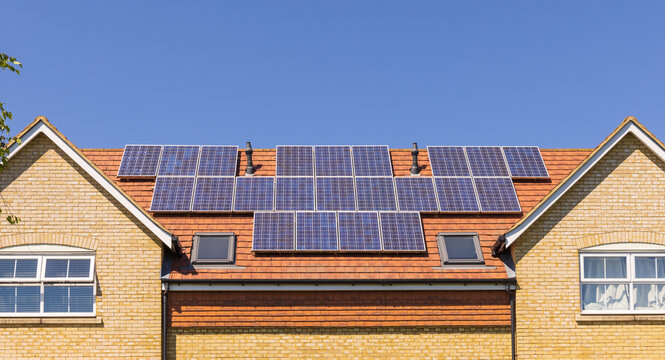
x=58, y=203
x=621, y=199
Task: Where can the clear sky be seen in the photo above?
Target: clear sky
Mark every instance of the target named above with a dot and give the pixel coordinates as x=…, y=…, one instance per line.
x=546, y=73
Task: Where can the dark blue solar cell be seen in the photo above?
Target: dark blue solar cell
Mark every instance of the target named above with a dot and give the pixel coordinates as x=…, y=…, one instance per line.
x=335, y=193
x=140, y=161
x=448, y=161
x=254, y=193
x=372, y=160
x=179, y=160
x=316, y=231
x=416, y=194
x=525, y=162
x=218, y=161
x=213, y=194
x=295, y=161
x=402, y=231
x=375, y=193
x=274, y=231
x=294, y=193
x=456, y=194
x=172, y=194
x=333, y=161
x=359, y=231
x=497, y=194
x=486, y=161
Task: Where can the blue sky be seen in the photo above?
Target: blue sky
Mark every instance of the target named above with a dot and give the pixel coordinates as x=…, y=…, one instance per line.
x=546, y=73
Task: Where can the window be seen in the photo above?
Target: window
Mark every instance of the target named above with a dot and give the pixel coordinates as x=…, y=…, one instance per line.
x=44, y=285
x=213, y=248
x=622, y=282
x=460, y=249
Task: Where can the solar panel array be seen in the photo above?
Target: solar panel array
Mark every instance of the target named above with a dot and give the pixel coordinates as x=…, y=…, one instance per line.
x=294, y=193
x=497, y=194
x=416, y=194
x=140, y=161
x=456, y=194
x=335, y=193
x=213, y=194
x=514, y=161
x=525, y=162
x=372, y=160
x=294, y=160
x=338, y=231
x=254, y=193
x=333, y=161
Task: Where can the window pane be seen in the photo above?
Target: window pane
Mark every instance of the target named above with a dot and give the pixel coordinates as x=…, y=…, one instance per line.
x=81, y=299
x=594, y=268
x=661, y=267
x=213, y=248
x=7, y=268
x=617, y=297
x=7, y=298
x=593, y=297
x=26, y=268
x=460, y=247
x=646, y=296
x=55, y=298
x=615, y=267
x=79, y=268
x=645, y=267
x=27, y=299
x=56, y=268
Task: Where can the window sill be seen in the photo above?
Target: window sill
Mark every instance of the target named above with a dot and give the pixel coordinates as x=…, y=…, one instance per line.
x=464, y=267
x=51, y=321
x=616, y=317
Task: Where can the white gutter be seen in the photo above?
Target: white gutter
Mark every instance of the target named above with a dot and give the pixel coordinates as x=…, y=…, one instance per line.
x=175, y=286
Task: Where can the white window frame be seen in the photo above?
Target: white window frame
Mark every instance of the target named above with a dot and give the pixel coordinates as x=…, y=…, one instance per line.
x=630, y=280
x=41, y=281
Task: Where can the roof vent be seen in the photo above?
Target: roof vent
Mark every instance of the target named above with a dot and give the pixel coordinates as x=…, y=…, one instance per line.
x=415, y=169
x=250, y=165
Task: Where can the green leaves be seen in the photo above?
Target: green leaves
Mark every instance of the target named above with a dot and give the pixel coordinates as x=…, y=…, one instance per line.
x=7, y=63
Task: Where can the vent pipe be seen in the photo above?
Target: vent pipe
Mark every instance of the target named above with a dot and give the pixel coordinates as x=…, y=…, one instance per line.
x=415, y=169
x=250, y=165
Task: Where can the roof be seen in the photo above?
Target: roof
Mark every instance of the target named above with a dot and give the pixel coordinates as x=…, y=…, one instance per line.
x=629, y=125
x=348, y=267
x=41, y=125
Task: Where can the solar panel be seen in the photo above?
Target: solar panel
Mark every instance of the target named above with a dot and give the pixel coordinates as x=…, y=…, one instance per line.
x=402, y=231
x=448, y=161
x=359, y=231
x=335, y=193
x=372, y=160
x=416, y=194
x=525, y=162
x=375, y=193
x=294, y=193
x=295, y=161
x=179, y=160
x=456, y=194
x=218, y=161
x=316, y=231
x=333, y=161
x=172, y=194
x=254, y=193
x=274, y=231
x=213, y=194
x=140, y=161
x=486, y=161
x=497, y=194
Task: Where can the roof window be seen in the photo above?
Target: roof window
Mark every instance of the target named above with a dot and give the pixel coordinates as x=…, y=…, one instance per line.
x=460, y=248
x=213, y=248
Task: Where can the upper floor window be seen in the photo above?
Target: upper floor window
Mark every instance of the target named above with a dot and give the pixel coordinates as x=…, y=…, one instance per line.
x=47, y=285
x=460, y=249
x=213, y=248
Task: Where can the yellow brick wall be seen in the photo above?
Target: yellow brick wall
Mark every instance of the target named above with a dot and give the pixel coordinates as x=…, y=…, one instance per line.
x=622, y=199
x=340, y=343
x=58, y=203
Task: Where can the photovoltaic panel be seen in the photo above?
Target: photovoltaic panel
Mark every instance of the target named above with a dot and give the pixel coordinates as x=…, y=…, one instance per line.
x=294, y=193
x=333, y=161
x=402, y=231
x=213, y=194
x=335, y=193
x=179, y=160
x=295, y=161
x=218, y=161
x=172, y=194
x=456, y=194
x=140, y=161
x=359, y=231
x=525, y=162
x=448, y=161
x=316, y=231
x=274, y=231
x=416, y=194
x=497, y=194
x=375, y=193
x=372, y=160
x=254, y=193
x=486, y=161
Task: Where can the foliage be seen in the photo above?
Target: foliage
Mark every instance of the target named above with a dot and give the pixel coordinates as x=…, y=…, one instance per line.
x=7, y=63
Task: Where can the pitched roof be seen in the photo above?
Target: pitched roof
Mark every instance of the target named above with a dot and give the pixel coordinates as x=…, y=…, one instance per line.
x=41, y=125
x=629, y=125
